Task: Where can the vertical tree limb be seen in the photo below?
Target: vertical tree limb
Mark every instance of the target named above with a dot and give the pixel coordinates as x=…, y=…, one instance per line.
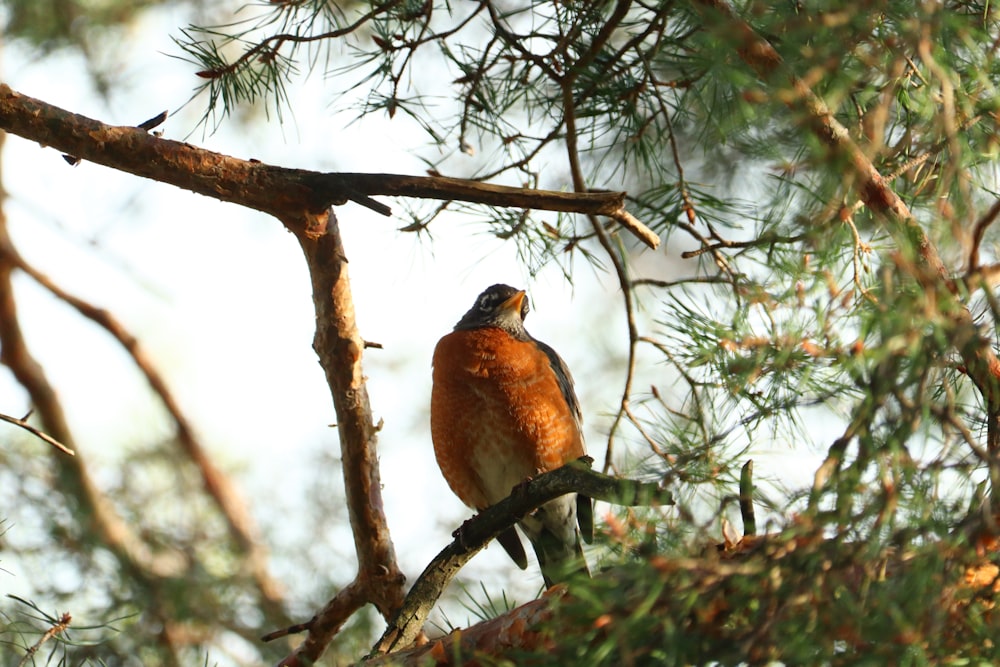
x=339, y=345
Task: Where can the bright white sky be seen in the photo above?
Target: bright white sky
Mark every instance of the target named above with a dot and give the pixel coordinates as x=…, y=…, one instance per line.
x=220, y=296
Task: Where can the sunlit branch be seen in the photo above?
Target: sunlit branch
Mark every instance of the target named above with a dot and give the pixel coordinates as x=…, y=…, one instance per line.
x=279, y=191
x=478, y=531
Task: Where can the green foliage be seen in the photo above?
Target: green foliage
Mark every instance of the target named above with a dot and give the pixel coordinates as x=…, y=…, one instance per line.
x=821, y=603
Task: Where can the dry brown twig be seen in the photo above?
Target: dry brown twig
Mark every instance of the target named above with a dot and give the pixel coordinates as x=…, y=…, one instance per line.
x=56, y=628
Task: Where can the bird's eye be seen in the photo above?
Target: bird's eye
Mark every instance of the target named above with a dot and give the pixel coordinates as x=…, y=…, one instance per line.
x=488, y=303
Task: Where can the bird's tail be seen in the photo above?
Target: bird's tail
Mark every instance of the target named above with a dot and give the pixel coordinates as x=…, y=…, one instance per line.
x=552, y=530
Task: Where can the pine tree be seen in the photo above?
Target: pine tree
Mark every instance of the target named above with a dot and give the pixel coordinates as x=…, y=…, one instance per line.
x=822, y=180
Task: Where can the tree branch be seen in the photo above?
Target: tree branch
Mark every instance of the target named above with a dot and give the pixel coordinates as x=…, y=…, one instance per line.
x=323, y=626
x=279, y=191
x=42, y=435
x=339, y=346
x=100, y=519
x=473, y=536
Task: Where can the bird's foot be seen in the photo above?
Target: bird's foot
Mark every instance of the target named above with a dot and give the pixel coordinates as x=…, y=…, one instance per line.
x=459, y=533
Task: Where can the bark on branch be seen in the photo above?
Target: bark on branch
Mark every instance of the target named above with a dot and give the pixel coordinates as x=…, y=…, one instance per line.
x=279, y=191
x=478, y=531
x=339, y=346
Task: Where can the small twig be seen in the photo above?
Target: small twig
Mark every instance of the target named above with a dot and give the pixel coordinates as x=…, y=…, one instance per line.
x=634, y=225
x=478, y=531
x=323, y=626
x=579, y=185
x=56, y=628
x=36, y=432
x=293, y=629
x=766, y=238
x=147, y=125
x=859, y=248
x=682, y=187
x=652, y=282
x=701, y=418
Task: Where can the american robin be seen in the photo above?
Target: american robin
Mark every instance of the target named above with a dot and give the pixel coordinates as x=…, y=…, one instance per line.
x=502, y=411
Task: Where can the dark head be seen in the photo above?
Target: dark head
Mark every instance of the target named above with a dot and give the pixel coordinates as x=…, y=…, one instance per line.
x=499, y=306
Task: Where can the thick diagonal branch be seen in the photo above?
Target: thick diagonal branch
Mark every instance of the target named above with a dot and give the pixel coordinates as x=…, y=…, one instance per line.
x=99, y=515
x=216, y=482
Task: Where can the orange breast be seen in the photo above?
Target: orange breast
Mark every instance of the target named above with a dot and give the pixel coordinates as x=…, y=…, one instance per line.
x=498, y=415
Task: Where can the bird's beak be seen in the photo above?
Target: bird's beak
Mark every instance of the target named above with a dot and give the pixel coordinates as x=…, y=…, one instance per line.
x=513, y=304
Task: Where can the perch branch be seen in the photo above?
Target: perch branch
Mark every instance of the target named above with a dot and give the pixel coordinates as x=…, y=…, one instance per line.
x=478, y=531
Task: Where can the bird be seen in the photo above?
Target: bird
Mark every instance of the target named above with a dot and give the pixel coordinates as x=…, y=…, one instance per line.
x=503, y=410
